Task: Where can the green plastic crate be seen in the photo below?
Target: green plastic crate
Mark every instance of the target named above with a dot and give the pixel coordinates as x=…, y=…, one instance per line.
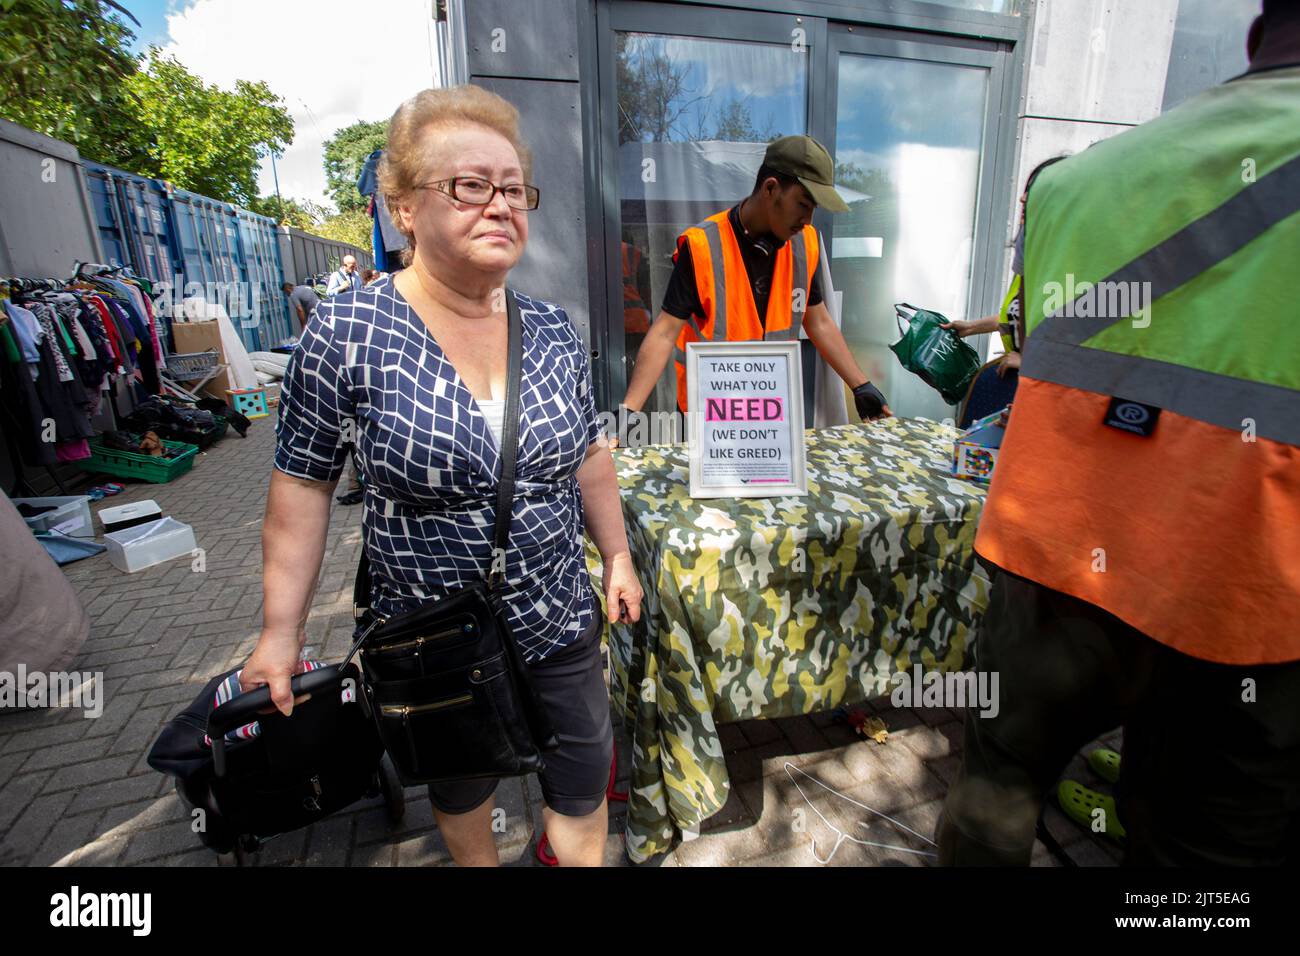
x=128, y=464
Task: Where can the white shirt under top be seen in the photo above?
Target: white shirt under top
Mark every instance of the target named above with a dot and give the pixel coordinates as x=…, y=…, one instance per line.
x=494, y=410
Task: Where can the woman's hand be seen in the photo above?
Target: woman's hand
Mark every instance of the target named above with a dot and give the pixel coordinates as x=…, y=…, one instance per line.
x=623, y=594
x=1009, y=361
x=274, y=662
x=964, y=327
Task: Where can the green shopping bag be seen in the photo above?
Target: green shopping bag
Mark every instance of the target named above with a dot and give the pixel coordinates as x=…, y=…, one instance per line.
x=938, y=356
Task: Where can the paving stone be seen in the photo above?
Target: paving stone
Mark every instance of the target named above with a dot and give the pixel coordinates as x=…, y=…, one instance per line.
x=166, y=840
x=200, y=856
x=750, y=764
x=146, y=814
x=90, y=774
x=285, y=849
x=425, y=849
x=103, y=851
x=329, y=841
x=804, y=736
x=30, y=830
x=113, y=614
x=733, y=813
x=377, y=854
x=129, y=790
x=57, y=735
x=63, y=755
x=760, y=732
x=928, y=743
x=934, y=716
x=20, y=791
x=1064, y=830
x=66, y=837
x=168, y=678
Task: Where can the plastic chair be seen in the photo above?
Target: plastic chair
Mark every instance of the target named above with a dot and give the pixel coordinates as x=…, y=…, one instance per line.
x=988, y=393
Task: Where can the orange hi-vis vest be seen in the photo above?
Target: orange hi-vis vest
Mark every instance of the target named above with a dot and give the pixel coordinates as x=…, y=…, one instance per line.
x=636, y=317
x=728, y=298
x=1151, y=465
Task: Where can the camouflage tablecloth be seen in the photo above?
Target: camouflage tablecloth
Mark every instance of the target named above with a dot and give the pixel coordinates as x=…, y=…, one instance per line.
x=774, y=607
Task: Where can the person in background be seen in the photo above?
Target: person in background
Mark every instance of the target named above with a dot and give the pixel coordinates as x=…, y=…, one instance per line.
x=344, y=279
x=1008, y=321
x=765, y=272
x=302, y=300
x=1144, y=515
x=368, y=276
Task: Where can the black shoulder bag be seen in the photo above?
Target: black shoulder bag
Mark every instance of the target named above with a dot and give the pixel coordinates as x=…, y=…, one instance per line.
x=446, y=683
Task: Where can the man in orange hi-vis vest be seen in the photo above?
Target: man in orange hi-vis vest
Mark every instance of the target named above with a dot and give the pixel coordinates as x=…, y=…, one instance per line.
x=1144, y=514
x=749, y=273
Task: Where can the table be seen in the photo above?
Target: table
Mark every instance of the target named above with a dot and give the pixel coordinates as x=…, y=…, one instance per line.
x=776, y=607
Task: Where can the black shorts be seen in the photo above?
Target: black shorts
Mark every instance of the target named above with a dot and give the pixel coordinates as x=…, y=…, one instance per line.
x=571, y=684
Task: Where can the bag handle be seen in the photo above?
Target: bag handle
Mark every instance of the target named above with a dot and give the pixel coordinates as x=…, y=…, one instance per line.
x=900, y=314
x=509, y=457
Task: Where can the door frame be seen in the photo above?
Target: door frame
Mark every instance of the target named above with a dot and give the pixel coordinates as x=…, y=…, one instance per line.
x=827, y=24
x=744, y=26
x=992, y=192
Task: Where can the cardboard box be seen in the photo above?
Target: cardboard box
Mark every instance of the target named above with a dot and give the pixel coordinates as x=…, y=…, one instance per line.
x=199, y=337
x=975, y=451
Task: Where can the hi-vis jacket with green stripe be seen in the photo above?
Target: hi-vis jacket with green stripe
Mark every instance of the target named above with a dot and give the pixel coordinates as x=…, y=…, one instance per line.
x=1151, y=465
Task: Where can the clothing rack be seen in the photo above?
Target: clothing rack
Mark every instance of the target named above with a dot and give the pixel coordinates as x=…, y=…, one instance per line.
x=81, y=281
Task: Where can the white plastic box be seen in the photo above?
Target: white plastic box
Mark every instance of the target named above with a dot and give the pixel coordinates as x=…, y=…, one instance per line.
x=143, y=546
x=68, y=508
x=121, y=517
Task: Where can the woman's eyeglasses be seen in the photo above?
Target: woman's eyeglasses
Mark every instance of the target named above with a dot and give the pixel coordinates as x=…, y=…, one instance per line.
x=479, y=192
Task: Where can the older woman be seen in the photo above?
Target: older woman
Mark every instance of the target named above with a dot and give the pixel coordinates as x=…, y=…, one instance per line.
x=417, y=361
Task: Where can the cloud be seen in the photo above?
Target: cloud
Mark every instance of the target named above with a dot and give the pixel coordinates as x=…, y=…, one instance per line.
x=332, y=61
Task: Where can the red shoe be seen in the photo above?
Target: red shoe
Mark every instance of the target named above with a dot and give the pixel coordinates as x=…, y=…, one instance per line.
x=543, y=852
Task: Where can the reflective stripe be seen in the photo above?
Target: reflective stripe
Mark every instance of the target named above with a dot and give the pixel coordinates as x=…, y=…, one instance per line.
x=710, y=230
x=1206, y=396
x=1192, y=250
x=679, y=355
x=1054, y=352
x=800, y=251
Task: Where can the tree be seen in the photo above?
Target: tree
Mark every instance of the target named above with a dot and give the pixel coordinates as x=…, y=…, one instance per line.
x=652, y=93
x=736, y=125
x=62, y=65
x=206, y=139
x=300, y=213
x=353, y=227
x=874, y=182
x=345, y=153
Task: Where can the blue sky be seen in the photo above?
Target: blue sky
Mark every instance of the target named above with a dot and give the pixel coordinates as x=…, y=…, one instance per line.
x=325, y=85
x=152, y=15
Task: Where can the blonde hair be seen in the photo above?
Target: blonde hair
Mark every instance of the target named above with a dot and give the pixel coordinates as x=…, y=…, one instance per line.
x=407, y=151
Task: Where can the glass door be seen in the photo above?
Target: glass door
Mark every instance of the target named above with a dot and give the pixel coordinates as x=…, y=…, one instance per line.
x=689, y=100
x=915, y=136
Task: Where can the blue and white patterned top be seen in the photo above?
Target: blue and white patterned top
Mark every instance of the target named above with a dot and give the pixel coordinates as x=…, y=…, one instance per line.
x=431, y=463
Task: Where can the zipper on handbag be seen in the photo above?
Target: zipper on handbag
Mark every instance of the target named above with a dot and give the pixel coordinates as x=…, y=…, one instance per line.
x=405, y=710
x=418, y=642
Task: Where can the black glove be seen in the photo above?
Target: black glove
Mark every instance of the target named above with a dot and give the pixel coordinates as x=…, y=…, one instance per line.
x=869, y=401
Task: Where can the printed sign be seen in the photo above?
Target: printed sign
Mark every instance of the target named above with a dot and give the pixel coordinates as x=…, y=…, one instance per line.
x=745, y=407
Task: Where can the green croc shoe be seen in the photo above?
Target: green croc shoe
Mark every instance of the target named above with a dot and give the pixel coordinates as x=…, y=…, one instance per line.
x=1079, y=803
x=1105, y=764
